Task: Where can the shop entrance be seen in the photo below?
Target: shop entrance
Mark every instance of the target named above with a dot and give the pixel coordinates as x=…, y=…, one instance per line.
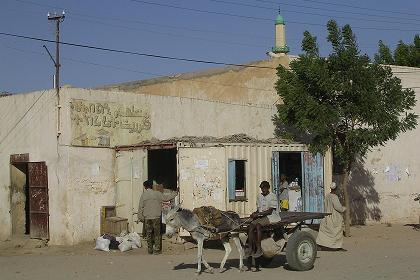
x=162, y=167
x=305, y=175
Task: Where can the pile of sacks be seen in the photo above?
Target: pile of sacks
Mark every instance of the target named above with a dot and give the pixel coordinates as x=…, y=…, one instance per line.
x=124, y=242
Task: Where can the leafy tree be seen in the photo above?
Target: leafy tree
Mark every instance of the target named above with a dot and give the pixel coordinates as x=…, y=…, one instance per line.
x=384, y=55
x=343, y=101
x=416, y=50
x=404, y=54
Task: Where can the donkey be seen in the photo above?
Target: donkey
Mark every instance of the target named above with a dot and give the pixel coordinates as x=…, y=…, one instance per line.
x=178, y=217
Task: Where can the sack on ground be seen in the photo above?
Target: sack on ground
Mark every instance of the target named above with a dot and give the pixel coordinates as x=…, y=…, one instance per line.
x=113, y=245
x=134, y=237
x=102, y=244
x=125, y=246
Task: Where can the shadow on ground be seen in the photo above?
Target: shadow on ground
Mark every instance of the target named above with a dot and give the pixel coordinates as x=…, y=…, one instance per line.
x=414, y=226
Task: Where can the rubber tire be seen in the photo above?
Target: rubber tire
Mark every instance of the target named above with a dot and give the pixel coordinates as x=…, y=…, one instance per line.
x=296, y=240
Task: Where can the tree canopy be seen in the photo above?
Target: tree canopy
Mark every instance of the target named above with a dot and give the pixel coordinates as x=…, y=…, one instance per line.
x=404, y=54
x=344, y=101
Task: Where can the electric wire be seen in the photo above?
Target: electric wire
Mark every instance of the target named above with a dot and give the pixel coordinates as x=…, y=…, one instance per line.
x=133, y=52
x=265, y=19
x=332, y=10
x=361, y=8
x=154, y=75
x=309, y=13
x=135, y=21
x=22, y=117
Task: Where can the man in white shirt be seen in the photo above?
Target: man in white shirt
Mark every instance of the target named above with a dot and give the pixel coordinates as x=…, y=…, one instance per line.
x=267, y=213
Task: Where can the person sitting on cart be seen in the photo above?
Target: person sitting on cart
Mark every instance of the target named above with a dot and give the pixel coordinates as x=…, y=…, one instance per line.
x=267, y=213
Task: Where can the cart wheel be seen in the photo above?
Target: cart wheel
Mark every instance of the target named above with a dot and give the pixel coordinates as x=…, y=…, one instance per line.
x=301, y=251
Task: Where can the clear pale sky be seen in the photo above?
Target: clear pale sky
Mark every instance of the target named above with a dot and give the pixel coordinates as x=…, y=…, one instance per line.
x=195, y=29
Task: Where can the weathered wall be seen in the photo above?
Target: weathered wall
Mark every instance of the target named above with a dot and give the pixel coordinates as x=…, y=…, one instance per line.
x=384, y=188
x=202, y=177
x=90, y=186
x=229, y=84
x=179, y=116
x=28, y=125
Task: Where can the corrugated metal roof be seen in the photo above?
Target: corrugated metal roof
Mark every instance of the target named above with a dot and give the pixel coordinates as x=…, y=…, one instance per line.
x=197, y=140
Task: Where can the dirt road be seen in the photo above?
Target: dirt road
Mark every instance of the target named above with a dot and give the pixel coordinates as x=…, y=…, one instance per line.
x=374, y=252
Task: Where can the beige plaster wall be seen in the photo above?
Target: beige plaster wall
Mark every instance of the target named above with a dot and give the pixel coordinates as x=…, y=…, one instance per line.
x=390, y=179
x=243, y=85
x=180, y=116
x=28, y=125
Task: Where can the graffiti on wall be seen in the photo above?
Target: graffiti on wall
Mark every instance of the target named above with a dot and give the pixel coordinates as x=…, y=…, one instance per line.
x=107, y=124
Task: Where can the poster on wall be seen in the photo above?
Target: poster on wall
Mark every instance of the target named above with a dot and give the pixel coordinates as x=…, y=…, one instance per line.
x=108, y=124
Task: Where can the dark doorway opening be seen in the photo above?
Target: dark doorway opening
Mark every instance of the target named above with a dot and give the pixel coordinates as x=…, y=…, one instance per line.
x=19, y=198
x=162, y=167
x=290, y=164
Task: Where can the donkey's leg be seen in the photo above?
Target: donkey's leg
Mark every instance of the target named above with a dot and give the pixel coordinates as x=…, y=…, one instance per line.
x=206, y=264
x=199, y=254
x=228, y=249
x=241, y=252
x=203, y=260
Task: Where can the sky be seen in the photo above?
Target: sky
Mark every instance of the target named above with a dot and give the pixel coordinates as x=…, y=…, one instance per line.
x=227, y=31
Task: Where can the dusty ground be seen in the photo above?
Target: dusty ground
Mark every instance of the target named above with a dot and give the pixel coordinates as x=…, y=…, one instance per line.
x=374, y=252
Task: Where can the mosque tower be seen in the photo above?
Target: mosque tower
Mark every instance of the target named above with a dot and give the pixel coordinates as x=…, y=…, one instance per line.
x=280, y=48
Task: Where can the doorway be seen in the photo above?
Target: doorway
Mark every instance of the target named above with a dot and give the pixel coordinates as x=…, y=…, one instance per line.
x=162, y=167
x=305, y=175
x=290, y=165
x=29, y=210
x=19, y=198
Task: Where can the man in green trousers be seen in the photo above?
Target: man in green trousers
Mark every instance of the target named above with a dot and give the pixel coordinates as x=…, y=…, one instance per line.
x=150, y=212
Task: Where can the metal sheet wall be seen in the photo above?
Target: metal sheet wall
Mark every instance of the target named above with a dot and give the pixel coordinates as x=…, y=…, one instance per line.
x=131, y=171
x=259, y=168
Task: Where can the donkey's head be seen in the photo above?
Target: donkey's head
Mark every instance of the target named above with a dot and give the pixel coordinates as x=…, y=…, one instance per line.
x=173, y=223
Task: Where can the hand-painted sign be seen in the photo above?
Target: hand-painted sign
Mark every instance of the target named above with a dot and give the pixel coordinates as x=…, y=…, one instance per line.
x=106, y=124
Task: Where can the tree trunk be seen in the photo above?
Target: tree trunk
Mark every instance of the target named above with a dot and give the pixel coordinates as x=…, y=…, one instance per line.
x=345, y=185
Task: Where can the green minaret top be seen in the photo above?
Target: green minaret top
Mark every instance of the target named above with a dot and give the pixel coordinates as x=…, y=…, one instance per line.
x=279, y=20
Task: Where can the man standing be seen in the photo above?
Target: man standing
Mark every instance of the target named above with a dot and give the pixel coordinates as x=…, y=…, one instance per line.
x=266, y=213
x=150, y=212
x=284, y=193
x=331, y=228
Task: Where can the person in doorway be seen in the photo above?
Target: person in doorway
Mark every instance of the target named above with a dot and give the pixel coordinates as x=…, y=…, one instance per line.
x=150, y=212
x=267, y=212
x=330, y=236
x=284, y=193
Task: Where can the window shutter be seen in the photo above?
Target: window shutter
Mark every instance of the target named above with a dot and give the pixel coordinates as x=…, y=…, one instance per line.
x=231, y=180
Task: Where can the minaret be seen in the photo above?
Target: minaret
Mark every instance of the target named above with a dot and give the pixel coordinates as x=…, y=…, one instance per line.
x=280, y=48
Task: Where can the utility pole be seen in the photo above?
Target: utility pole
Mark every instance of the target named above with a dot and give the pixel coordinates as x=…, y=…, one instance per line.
x=58, y=18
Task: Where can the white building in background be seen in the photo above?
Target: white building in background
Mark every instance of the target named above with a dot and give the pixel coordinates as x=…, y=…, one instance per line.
x=54, y=177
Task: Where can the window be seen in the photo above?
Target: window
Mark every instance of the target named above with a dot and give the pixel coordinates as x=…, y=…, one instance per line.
x=237, y=180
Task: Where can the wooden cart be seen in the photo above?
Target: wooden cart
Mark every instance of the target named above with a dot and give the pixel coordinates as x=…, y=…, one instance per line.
x=300, y=246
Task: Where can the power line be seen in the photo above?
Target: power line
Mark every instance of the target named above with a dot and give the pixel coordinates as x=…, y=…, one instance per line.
x=265, y=19
x=136, y=71
x=308, y=13
x=118, y=19
x=201, y=11
x=135, y=53
x=21, y=118
x=331, y=10
x=362, y=8
x=177, y=35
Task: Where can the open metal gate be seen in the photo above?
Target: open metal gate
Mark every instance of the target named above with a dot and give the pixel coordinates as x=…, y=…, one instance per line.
x=38, y=200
